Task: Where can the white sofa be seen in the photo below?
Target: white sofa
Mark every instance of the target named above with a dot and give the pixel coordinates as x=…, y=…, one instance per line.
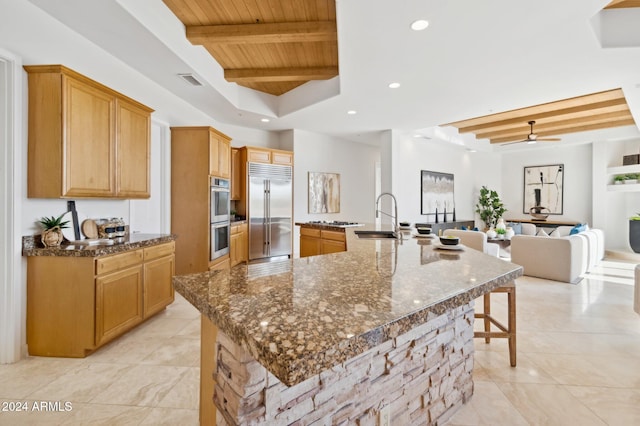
x=561, y=257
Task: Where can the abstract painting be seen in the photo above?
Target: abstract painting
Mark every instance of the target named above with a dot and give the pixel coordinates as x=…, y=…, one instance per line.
x=543, y=186
x=436, y=192
x=324, y=192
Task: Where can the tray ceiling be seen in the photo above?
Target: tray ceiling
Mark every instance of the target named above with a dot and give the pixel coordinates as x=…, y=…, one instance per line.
x=601, y=110
x=271, y=47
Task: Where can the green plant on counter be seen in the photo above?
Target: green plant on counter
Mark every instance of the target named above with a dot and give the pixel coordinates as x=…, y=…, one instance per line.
x=619, y=178
x=501, y=231
x=489, y=207
x=52, y=222
x=631, y=176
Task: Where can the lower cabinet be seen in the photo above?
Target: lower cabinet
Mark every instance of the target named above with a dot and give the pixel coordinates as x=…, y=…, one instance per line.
x=77, y=304
x=239, y=244
x=320, y=241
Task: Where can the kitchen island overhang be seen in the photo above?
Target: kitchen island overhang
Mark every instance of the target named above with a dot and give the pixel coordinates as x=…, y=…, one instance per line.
x=302, y=317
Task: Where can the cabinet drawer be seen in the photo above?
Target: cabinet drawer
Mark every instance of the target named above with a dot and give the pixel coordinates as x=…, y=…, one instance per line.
x=159, y=250
x=333, y=235
x=310, y=232
x=235, y=229
x=118, y=261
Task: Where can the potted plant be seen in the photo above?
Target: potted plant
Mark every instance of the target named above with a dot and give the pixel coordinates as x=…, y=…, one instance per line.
x=489, y=207
x=52, y=230
x=631, y=178
x=618, y=179
x=501, y=233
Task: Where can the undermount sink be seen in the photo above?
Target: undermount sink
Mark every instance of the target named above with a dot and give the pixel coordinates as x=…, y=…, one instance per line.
x=376, y=234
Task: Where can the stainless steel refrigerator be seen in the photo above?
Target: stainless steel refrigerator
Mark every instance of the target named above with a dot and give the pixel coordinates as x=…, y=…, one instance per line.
x=270, y=210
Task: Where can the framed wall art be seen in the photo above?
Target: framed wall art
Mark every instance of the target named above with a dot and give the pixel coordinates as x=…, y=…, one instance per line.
x=324, y=192
x=543, y=188
x=436, y=192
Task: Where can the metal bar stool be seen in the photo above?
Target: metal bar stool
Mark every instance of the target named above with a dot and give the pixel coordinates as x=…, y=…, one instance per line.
x=508, y=332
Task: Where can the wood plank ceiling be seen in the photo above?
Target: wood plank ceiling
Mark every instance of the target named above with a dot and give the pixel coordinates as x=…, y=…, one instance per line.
x=272, y=46
x=623, y=4
x=590, y=112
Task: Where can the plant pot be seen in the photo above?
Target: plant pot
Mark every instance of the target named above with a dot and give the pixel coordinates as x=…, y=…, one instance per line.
x=634, y=235
x=631, y=181
x=52, y=237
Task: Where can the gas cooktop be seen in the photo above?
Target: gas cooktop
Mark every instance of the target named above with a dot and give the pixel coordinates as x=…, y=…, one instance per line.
x=339, y=223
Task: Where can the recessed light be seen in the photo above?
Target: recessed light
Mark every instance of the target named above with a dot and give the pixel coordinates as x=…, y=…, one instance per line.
x=265, y=120
x=419, y=25
x=394, y=85
x=352, y=112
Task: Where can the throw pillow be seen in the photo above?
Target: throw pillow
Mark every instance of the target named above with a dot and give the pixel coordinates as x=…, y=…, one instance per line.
x=542, y=233
x=578, y=228
x=476, y=229
x=517, y=227
x=464, y=228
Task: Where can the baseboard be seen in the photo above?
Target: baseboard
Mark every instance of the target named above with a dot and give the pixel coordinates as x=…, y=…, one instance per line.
x=622, y=255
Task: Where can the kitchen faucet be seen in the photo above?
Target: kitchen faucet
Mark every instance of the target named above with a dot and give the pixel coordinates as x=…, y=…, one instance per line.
x=395, y=216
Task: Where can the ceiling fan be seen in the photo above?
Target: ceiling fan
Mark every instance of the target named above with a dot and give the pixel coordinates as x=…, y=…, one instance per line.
x=533, y=138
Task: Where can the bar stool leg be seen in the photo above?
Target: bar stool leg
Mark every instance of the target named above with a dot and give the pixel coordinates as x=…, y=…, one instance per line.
x=511, y=302
x=487, y=316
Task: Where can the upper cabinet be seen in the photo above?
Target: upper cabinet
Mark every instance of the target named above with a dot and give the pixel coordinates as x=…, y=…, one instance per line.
x=237, y=177
x=85, y=140
x=219, y=154
x=270, y=156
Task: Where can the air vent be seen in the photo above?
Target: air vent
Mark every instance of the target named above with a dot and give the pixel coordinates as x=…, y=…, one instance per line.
x=191, y=79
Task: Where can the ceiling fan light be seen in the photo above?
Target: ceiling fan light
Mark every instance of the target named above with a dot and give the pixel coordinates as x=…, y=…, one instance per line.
x=531, y=142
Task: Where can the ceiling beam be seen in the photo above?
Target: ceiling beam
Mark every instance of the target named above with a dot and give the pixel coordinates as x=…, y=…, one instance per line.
x=285, y=32
x=575, y=129
x=555, y=127
x=619, y=103
x=263, y=75
x=622, y=4
x=610, y=97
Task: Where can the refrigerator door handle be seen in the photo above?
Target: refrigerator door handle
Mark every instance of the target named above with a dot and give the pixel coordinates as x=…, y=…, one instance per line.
x=265, y=219
x=268, y=204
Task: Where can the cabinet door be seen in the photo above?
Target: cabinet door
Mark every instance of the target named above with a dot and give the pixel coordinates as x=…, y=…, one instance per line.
x=237, y=181
x=224, y=158
x=118, y=303
x=158, y=285
x=332, y=246
x=258, y=156
x=219, y=155
x=309, y=246
x=234, y=251
x=243, y=244
x=89, y=152
x=282, y=157
x=133, y=150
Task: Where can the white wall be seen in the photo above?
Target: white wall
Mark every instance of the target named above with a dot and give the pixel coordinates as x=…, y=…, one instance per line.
x=612, y=210
x=577, y=179
x=356, y=164
x=471, y=171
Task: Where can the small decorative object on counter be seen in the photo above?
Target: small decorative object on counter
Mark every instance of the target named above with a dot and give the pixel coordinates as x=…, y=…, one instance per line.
x=491, y=233
x=500, y=225
x=52, y=233
x=509, y=233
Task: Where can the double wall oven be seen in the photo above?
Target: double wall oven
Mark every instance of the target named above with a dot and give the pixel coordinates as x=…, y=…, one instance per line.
x=220, y=218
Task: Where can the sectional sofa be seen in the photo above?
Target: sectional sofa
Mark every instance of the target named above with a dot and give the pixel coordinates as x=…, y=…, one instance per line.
x=560, y=256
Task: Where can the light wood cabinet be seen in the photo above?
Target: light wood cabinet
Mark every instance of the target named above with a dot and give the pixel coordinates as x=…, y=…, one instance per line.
x=193, y=152
x=239, y=244
x=77, y=304
x=237, y=176
x=314, y=242
x=85, y=140
x=219, y=154
x=270, y=156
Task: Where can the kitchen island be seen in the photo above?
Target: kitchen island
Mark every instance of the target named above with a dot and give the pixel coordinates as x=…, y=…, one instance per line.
x=383, y=329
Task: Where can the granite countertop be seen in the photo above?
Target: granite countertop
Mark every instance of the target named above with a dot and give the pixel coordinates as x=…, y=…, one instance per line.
x=32, y=247
x=302, y=316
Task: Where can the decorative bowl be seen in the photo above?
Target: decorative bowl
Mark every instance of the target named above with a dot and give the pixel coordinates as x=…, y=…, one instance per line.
x=404, y=224
x=423, y=230
x=539, y=213
x=449, y=240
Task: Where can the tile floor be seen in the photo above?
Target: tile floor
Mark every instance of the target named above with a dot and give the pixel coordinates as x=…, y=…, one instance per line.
x=578, y=363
